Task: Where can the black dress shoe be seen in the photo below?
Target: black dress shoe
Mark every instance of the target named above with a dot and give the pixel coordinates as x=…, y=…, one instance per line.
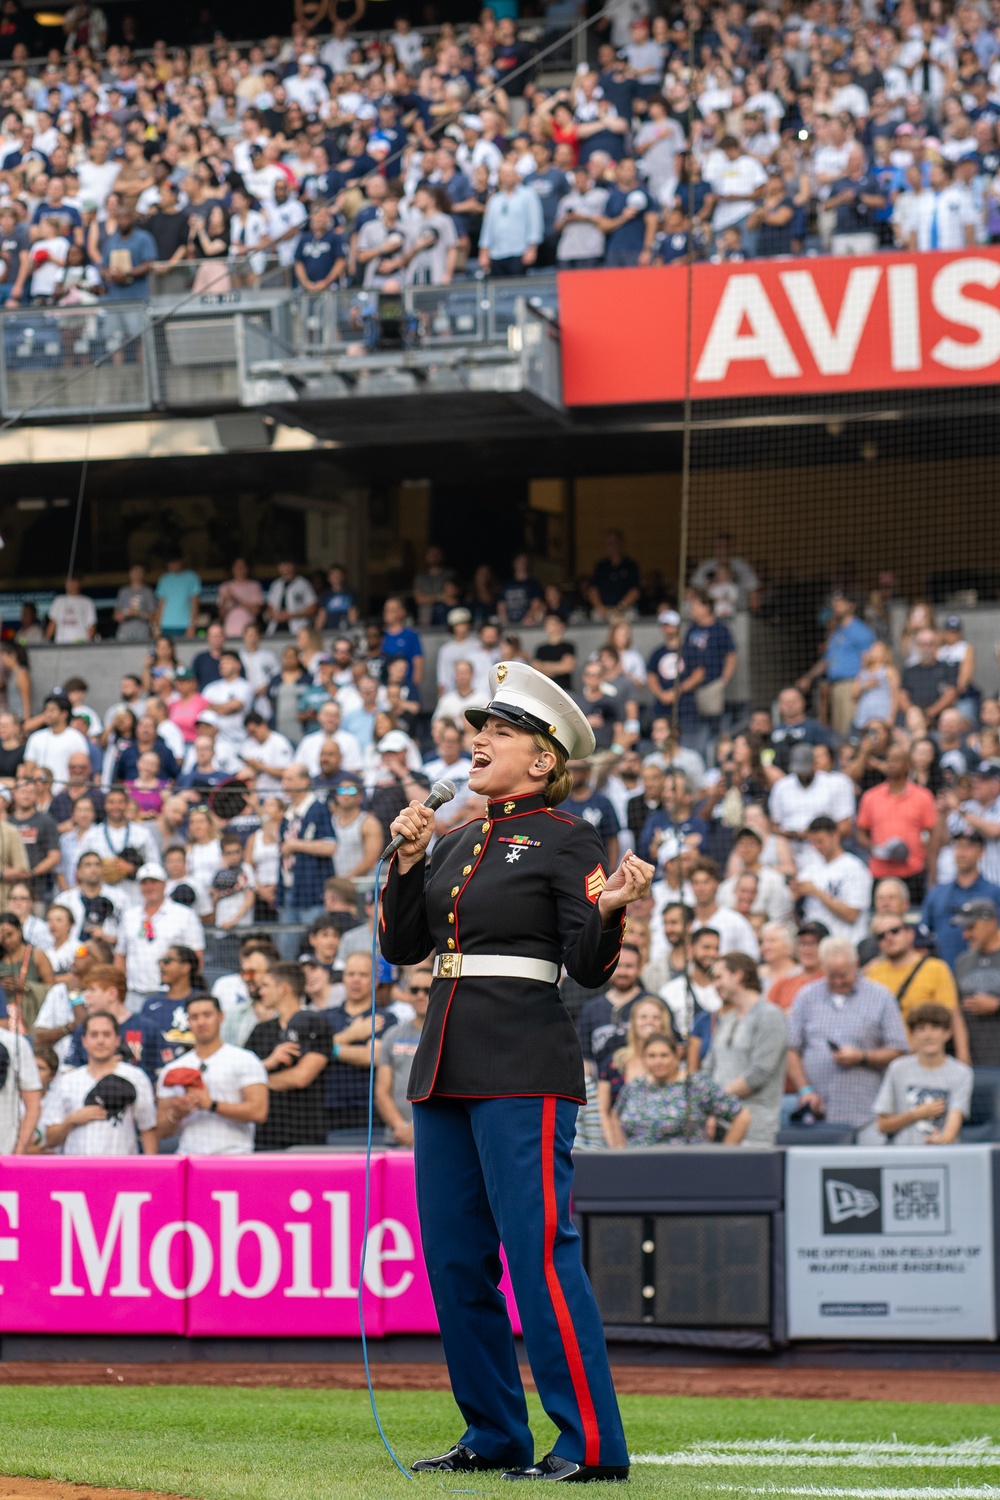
x=555, y=1468
x=458, y=1458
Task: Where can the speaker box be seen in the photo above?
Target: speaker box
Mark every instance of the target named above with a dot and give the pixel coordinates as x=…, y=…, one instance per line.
x=681, y=1270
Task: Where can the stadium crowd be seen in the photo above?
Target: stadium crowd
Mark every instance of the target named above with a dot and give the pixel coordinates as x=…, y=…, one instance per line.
x=719, y=133
x=186, y=873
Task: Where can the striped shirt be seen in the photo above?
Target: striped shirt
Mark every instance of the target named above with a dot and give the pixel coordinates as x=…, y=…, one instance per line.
x=867, y=1018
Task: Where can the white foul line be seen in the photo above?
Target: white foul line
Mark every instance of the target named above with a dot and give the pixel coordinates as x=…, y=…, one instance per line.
x=973, y=1492
x=817, y=1453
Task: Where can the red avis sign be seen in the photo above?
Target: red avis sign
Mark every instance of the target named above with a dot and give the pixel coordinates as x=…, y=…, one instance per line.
x=781, y=328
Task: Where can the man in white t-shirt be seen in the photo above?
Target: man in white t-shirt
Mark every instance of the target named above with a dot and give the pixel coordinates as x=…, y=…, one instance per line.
x=736, y=179
x=230, y=697
x=805, y=794
x=266, y=752
x=735, y=933
x=945, y=215
x=147, y=931
x=694, y=990
x=105, y=1108
x=835, y=886
x=307, y=751
x=48, y=259
x=109, y=839
x=20, y=1093
x=218, y=1115
x=465, y=694
x=72, y=616
x=50, y=748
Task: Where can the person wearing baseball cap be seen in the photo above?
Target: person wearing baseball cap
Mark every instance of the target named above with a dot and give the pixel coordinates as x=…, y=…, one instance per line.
x=981, y=812
x=978, y=975
x=498, y=1078
x=149, y=929
x=944, y=902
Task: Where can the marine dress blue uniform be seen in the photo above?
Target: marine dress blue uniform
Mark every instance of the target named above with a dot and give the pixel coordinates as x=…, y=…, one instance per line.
x=496, y=1084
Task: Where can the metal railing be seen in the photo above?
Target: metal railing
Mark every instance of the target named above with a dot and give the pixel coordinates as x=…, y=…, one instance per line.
x=189, y=350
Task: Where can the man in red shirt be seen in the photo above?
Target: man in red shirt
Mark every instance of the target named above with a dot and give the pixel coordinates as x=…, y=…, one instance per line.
x=894, y=822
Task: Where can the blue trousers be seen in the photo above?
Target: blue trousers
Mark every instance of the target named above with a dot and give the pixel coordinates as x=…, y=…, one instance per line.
x=492, y=1170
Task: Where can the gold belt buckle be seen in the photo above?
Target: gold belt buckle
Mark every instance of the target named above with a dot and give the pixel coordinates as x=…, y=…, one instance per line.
x=449, y=965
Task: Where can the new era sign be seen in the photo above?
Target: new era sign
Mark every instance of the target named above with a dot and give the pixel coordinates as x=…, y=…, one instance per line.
x=886, y=1200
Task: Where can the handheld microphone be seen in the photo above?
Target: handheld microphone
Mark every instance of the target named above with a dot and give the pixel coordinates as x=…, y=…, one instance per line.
x=440, y=793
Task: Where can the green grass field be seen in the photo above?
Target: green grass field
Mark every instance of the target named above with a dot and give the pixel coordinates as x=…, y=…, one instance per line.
x=225, y=1444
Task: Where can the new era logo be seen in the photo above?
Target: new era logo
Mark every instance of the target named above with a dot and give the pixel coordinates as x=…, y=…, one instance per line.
x=846, y=1202
x=852, y=1200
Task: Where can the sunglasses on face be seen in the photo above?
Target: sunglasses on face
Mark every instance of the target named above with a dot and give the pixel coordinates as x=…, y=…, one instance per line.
x=890, y=932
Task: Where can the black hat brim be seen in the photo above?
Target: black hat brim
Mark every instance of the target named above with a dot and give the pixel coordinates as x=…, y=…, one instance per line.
x=519, y=718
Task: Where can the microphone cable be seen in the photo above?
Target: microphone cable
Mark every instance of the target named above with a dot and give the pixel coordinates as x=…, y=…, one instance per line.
x=368, y=1185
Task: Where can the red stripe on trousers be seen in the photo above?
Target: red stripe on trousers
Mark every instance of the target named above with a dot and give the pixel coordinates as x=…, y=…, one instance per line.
x=564, y=1322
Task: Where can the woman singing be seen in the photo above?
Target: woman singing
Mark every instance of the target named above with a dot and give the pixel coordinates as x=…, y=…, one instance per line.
x=498, y=1077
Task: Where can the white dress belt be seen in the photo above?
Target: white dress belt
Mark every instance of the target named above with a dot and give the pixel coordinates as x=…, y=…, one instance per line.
x=494, y=966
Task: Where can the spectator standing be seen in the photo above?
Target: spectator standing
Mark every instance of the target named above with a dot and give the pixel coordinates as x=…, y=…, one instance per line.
x=295, y=1047
x=805, y=794
x=584, y=802
x=750, y=1046
x=925, y=1098
x=977, y=973
x=116, y=833
x=218, y=1115
x=693, y=993
x=630, y=219
x=205, y=664
x=841, y=1083
x=578, y=218
x=230, y=696
x=241, y=599
x=135, y=608
x=291, y=600
x=835, y=887
x=856, y=198
x=76, y=1123
x=39, y=835
x=50, y=748
x=773, y=899
x=895, y=820
x=614, y=586
x=20, y=1093
x=348, y=1075
x=140, y=1042
x=461, y=647
x=708, y=646
x=782, y=992
x=735, y=932
x=513, y=227
x=148, y=930
x=914, y=978
x=929, y=683
x=841, y=660
x=981, y=813
x=72, y=616
x=943, y=902
x=794, y=727
x=178, y=594
x=603, y=1023
x=396, y=1054
x=319, y=255
x=307, y=848
x=398, y=640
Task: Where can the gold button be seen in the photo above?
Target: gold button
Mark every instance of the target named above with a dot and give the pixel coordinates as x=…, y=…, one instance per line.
x=451, y=916
x=477, y=848
x=454, y=891
x=451, y=943
x=486, y=828
x=467, y=870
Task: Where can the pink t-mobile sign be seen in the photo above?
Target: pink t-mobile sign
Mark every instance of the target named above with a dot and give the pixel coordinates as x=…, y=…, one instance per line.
x=222, y=1246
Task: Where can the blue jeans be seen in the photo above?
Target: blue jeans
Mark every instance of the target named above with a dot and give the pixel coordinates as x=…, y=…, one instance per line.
x=305, y=915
